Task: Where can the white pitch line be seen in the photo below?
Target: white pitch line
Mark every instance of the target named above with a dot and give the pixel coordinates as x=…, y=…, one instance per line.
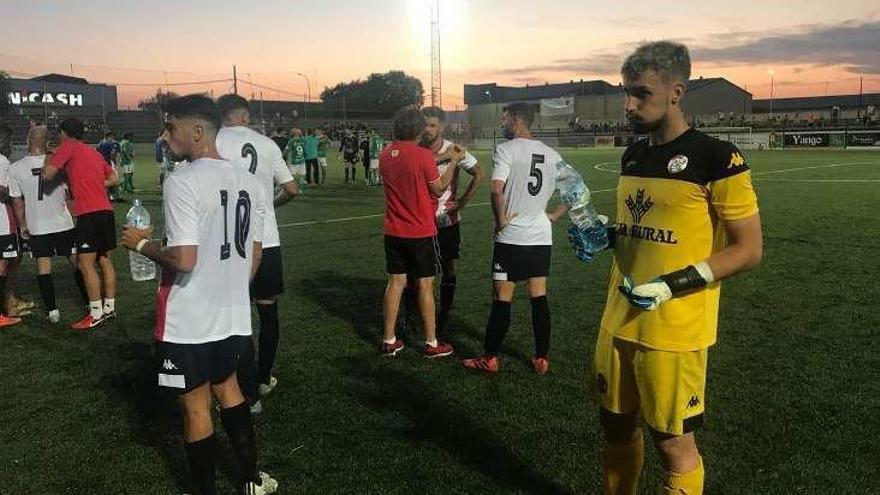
x=821, y=180
x=598, y=167
x=378, y=215
x=798, y=169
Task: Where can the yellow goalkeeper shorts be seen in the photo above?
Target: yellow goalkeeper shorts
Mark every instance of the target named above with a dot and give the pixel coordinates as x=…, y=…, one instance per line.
x=667, y=388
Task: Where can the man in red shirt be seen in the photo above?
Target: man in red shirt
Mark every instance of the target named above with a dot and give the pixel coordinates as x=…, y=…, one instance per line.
x=410, y=177
x=89, y=176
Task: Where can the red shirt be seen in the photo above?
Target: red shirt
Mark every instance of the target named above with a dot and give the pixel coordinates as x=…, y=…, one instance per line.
x=406, y=170
x=86, y=170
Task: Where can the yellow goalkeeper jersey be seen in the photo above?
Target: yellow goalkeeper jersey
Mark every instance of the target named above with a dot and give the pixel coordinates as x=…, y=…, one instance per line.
x=671, y=200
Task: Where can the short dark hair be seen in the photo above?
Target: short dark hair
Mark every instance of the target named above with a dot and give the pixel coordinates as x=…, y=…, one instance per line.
x=437, y=112
x=232, y=102
x=73, y=127
x=408, y=123
x=128, y=135
x=523, y=110
x=670, y=60
x=195, y=106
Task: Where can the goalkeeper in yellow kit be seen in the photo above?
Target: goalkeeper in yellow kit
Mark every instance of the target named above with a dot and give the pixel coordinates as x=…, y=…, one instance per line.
x=687, y=217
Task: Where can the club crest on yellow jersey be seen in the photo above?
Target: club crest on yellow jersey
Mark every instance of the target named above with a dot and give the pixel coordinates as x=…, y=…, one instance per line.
x=677, y=164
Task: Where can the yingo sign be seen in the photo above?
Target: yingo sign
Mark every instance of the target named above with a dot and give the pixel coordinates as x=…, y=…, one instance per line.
x=811, y=140
x=19, y=98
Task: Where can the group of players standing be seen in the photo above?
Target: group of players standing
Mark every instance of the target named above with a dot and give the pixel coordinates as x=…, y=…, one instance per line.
x=56, y=204
x=687, y=218
x=306, y=154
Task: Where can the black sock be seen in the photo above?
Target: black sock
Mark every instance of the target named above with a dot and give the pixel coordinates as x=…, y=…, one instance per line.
x=447, y=295
x=2, y=290
x=410, y=308
x=496, y=329
x=47, y=291
x=246, y=373
x=239, y=425
x=346, y=174
x=541, y=325
x=268, y=340
x=81, y=285
x=201, y=456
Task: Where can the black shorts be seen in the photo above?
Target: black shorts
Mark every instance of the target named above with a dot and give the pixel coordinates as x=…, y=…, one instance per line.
x=269, y=279
x=54, y=244
x=9, y=246
x=449, y=239
x=182, y=368
x=96, y=232
x=417, y=258
x=351, y=160
x=514, y=263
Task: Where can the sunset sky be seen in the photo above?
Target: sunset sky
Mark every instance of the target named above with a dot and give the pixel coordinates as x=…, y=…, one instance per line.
x=812, y=47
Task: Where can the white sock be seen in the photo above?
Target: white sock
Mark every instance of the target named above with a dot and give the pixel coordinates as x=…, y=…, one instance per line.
x=109, y=305
x=432, y=343
x=95, y=309
x=390, y=341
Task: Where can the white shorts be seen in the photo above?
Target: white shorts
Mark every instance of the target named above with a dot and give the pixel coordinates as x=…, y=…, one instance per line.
x=322, y=161
x=299, y=169
x=128, y=169
x=374, y=164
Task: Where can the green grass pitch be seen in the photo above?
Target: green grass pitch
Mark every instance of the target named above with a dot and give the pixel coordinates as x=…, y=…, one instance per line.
x=792, y=396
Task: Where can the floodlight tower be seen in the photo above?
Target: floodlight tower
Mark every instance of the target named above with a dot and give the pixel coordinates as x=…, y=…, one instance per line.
x=436, y=85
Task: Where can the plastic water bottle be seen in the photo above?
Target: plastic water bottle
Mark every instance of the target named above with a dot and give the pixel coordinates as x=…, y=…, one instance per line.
x=575, y=193
x=142, y=268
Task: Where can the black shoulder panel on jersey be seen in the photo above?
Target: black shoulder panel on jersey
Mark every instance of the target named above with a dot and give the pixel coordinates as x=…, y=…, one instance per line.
x=730, y=161
x=692, y=157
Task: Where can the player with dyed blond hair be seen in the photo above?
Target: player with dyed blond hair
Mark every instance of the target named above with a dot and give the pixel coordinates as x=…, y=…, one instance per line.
x=687, y=217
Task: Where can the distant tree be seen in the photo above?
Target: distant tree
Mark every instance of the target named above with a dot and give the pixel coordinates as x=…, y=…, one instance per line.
x=156, y=102
x=378, y=95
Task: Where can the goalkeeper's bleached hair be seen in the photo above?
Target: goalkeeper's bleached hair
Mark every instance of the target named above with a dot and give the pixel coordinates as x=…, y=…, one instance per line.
x=670, y=60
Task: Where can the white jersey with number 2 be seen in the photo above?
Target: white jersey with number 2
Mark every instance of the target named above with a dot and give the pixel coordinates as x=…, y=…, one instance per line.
x=262, y=158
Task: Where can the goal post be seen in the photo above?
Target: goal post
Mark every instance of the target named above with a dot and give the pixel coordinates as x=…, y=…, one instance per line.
x=742, y=137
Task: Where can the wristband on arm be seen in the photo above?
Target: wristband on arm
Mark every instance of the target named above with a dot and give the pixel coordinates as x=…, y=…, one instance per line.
x=687, y=279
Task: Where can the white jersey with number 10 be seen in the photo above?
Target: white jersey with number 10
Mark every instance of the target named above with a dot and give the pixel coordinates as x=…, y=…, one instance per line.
x=217, y=206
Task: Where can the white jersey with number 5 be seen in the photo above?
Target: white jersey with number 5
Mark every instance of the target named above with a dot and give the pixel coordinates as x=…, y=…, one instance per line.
x=528, y=169
x=263, y=159
x=45, y=204
x=217, y=206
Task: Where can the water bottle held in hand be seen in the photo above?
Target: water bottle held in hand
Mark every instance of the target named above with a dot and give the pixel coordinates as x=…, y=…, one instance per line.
x=141, y=267
x=588, y=233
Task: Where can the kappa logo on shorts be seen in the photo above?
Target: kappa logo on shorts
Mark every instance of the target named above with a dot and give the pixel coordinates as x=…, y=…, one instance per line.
x=168, y=365
x=601, y=383
x=694, y=402
x=84, y=245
